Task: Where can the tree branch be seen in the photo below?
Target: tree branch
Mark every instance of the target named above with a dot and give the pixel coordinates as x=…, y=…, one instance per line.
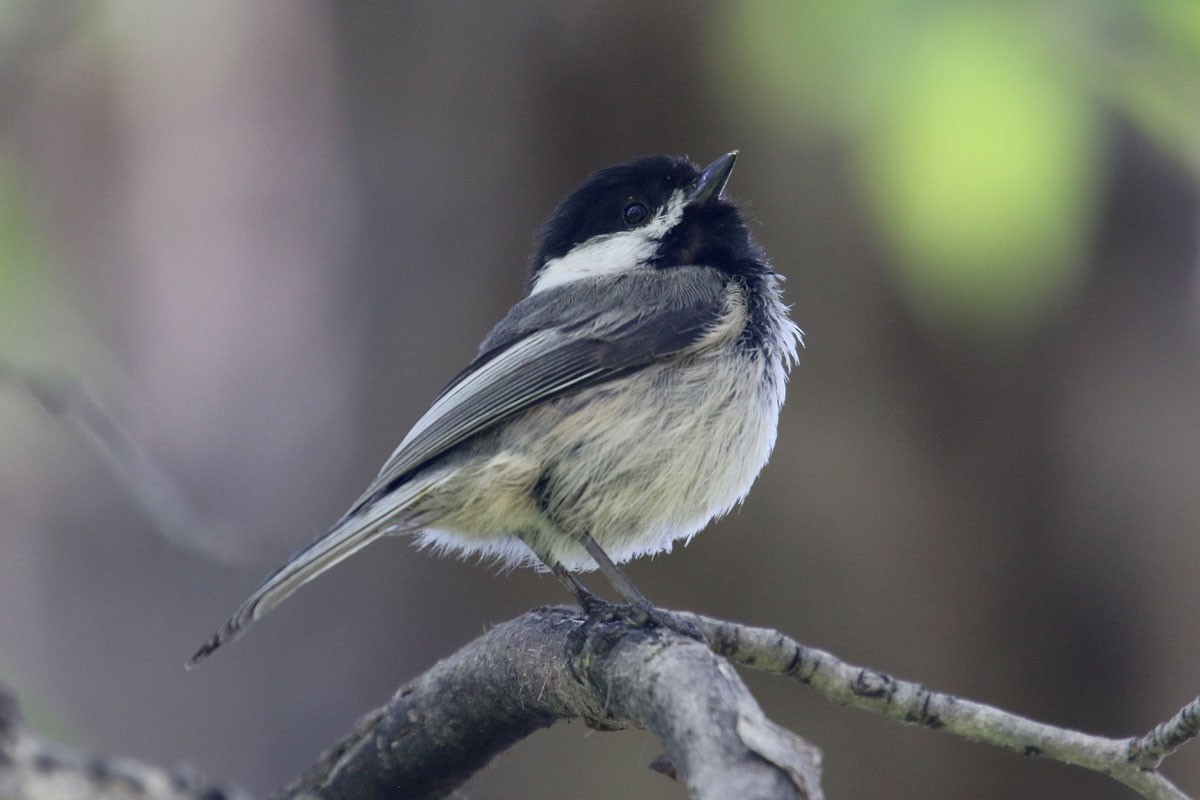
x=555, y=663
x=1131, y=761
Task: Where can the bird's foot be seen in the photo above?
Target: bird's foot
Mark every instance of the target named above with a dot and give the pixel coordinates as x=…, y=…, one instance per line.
x=640, y=616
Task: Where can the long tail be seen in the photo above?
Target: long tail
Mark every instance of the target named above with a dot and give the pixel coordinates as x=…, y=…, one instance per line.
x=354, y=532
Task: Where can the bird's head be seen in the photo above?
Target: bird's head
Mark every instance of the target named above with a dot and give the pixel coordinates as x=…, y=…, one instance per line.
x=655, y=212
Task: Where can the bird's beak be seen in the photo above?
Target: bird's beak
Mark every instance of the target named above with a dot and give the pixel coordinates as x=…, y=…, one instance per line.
x=711, y=182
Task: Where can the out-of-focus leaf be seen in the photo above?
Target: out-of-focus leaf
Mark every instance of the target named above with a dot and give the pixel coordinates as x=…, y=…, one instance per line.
x=982, y=171
x=975, y=127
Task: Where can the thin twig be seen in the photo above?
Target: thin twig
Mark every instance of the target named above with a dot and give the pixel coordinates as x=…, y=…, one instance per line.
x=1130, y=761
x=159, y=497
x=1150, y=750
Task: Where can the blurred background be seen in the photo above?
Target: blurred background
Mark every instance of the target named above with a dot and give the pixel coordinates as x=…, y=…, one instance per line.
x=265, y=235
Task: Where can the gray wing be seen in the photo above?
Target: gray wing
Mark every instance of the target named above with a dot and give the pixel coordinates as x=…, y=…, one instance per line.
x=556, y=342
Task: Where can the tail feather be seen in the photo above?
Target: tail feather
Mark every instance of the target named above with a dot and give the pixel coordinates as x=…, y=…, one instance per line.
x=350, y=535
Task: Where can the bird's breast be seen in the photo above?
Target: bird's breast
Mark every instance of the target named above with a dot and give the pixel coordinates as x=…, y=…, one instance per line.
x=653, y=457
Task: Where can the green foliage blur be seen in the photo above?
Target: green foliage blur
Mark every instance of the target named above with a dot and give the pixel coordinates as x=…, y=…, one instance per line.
x=978, y=131
x=21, y=253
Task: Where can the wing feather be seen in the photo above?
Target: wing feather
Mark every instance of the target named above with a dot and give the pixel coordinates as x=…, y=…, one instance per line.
x=528, y=366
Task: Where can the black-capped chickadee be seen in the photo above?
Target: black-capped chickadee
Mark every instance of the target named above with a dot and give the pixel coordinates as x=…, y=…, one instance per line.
x=629, y=399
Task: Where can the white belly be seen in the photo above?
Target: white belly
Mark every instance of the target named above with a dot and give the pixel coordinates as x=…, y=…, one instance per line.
x=634, y=469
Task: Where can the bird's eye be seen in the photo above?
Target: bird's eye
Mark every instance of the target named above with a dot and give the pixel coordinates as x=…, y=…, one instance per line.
x=634, y=213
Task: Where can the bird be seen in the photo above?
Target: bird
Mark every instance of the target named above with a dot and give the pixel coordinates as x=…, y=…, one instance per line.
x=628, y=398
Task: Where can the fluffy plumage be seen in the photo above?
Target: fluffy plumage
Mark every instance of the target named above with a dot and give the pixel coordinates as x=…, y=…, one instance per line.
x=631, y=397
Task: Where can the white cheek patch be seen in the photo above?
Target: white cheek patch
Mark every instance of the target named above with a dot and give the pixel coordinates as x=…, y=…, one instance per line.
x=616, y=252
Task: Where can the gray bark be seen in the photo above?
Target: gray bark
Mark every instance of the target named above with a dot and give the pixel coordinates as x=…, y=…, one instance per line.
x=551, y=664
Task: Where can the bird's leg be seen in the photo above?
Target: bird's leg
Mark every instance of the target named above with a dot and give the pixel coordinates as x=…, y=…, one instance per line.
x=620, y=581
x=587, y=600
x=644, y=611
